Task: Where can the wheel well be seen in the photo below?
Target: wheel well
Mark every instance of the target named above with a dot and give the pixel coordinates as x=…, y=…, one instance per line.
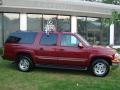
x=24, y=54
x=105, y=58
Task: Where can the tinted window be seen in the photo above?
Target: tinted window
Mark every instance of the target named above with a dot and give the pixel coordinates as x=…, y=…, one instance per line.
x=21, y=37
x=69, y=40
x=50, y=39
x=13, y=39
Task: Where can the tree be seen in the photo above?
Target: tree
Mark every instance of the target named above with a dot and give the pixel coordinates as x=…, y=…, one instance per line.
x=115, y=17
x=94, y=0
x=116, y=2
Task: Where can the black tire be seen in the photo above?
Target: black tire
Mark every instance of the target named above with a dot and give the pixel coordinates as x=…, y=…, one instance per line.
x=24, y=63
x=100, y=67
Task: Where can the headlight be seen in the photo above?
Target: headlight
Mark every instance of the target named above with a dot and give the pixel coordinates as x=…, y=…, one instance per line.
x=116, y=55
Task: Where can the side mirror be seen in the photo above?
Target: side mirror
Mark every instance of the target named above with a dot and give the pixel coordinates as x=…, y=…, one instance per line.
x=80, y=45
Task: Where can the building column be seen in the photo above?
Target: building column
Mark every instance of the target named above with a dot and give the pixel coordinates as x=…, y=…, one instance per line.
x=23, y=22
x=73, y=24
x=112, y=34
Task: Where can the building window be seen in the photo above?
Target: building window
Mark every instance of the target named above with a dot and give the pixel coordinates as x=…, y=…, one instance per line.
x=81, y=26
x=50, y=22
x=64, y=23
x=34, y=22
x=105, y=31
x=93, y=30
x=1, y=30
x=11, y=23
x=117, y=33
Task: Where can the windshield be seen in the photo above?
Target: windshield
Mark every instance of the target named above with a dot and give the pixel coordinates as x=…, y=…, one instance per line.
x=85, y=41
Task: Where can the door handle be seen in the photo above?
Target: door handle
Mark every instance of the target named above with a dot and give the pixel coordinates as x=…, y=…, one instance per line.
x=61, y=49
x=41, y=49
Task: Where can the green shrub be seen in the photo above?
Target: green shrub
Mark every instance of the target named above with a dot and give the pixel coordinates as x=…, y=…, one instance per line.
x=118, y=50
x=1, y=51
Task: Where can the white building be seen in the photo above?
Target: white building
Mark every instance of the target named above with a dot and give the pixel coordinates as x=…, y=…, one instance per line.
x=83, y=17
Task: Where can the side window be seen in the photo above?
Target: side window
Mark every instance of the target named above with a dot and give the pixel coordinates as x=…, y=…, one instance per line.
x=27, y=38
x=12, y=39
x=50, y=40
x=21, y=37
x=69, y=40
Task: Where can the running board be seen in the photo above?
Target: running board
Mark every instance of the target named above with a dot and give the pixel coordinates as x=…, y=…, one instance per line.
x=61, y=67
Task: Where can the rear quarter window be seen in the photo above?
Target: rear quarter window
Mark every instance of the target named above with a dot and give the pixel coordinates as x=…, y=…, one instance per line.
x=12, y=39
x=21, y=37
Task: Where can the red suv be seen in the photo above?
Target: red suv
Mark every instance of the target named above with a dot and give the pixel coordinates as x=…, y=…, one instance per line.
x=58, y=50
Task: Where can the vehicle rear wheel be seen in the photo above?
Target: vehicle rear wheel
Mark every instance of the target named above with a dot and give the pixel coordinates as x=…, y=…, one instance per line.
x=100, y=67
x=25, y=63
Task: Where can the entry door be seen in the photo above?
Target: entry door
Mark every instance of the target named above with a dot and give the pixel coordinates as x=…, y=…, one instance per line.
x=70, y=53
x=47, y=49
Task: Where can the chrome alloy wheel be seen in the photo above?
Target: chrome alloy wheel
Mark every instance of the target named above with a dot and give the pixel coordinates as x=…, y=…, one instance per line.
x=24, y=64
x=100, y=68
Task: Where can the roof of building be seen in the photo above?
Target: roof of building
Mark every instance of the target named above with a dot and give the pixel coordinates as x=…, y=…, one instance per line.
x=65, y=7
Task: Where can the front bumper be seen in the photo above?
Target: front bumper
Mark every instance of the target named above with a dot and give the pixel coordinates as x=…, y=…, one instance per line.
x=115, y=64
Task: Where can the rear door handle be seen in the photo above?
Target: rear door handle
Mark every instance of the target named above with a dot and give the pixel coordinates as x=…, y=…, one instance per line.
x=61, y=49
x=41, y=49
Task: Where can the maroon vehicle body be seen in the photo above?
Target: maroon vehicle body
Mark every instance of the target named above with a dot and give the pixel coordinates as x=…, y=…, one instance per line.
x=78, y=56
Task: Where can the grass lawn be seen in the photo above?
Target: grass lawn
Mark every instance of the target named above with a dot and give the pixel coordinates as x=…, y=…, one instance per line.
x=54, y=79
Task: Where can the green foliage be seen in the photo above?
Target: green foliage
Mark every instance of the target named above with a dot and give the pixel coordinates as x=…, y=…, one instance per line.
x=105, y=22
x=115, y=16
x=1, y=51
x=114, y=19
x=118, y=50
x=116, y=2
x=108, y=1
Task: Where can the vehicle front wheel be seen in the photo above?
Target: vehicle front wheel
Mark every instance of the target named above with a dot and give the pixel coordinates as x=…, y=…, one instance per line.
x=25, y=63
x=100, y=67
